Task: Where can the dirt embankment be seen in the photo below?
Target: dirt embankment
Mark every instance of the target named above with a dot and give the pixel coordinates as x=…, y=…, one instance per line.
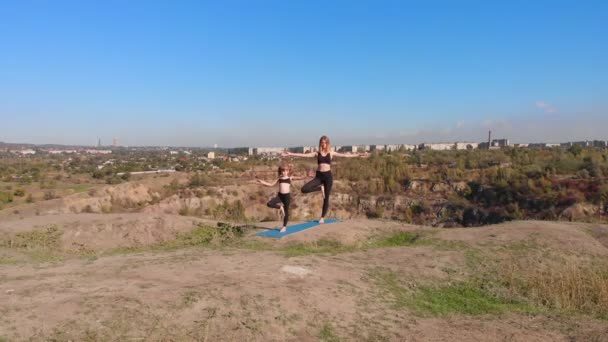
x=213, y=295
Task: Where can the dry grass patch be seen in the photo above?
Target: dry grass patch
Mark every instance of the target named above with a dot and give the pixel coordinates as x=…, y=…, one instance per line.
x=576, y=287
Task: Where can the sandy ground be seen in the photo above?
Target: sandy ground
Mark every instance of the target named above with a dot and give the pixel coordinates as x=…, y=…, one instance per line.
x=235, y=294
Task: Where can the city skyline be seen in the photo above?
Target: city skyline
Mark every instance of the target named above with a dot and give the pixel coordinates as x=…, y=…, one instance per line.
x=270, y=73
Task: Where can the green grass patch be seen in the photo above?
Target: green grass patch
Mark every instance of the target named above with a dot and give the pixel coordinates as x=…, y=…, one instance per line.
x=397, y=239
x=42, y=238
x=446, y=245
x=316, y=247
x=201, y=236
x=390, y=285
x=80, y=188
x=7, y=261
x=327, y=334
x=254, y=245
x=41, y=245
x=459, y=298
x=190, y=297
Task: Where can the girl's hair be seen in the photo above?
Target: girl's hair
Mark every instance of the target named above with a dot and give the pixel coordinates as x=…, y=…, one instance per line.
x=285, y=166
x=328, y=144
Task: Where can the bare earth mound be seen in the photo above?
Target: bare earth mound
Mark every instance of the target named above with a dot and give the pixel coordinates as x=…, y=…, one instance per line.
x=259, y=295
x=106, y=231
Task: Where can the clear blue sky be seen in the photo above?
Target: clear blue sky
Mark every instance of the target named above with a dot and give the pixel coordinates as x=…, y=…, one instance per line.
x=275, y=73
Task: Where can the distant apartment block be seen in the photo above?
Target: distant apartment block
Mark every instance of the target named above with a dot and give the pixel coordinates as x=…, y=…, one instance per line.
x=302, y=149
x=582, y=143
x=241, y=150
x=594, y=143
x=268, y=150
x=373, y=148
x=500, y=143
x=466, y=145
x=211, y=155
x=348, y=149
x=543, y=145
x=355, y=148
x=449, y=146
x=24, y=152
x=437, y=146
x=297, y=149
x=61, y=151
x=98, y=151
x=391, y=148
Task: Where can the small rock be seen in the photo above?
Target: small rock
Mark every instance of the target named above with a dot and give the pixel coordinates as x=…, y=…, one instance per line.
x=297, y=270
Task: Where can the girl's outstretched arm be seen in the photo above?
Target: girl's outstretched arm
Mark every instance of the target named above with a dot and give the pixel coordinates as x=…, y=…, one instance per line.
x=303, y=155
x=259, y=181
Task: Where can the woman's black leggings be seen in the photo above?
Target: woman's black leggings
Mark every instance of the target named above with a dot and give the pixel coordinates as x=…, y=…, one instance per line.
x=275, y=203
x=321, y=178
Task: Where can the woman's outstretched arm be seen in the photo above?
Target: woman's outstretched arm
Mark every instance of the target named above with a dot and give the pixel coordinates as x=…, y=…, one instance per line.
x=351, y=155
x=303, y=155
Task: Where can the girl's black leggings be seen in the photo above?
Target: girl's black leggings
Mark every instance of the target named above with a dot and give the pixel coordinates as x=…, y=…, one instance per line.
x=275, y=203
x=321, y=178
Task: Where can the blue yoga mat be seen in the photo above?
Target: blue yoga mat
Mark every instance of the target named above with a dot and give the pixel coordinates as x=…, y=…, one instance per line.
x=274, y=233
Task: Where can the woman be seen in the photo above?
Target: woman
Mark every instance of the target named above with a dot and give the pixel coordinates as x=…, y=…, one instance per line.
x=323, y=180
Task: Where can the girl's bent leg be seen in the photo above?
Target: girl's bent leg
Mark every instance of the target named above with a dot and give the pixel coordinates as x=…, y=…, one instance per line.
x=274, y=203
x=286, y=199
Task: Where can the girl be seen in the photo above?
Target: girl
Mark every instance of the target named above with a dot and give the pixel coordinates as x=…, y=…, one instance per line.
x=323, y=180
x=283, y=198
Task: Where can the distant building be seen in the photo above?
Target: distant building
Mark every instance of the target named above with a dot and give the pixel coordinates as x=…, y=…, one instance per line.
x=297, y=149
x=211, y=155
x=377, y=148
x=98, y=151
x=390, y=148
x=349, y=149
x=600, y=143
x=500, y=143
x=241, y=150
x=466, y=145
x=268, y=150
x=25, y=152
x=61, y=151
x=437, y=146
x=582, y=143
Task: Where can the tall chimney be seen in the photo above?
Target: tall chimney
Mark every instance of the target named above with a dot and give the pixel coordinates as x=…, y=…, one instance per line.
x=489, y=139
